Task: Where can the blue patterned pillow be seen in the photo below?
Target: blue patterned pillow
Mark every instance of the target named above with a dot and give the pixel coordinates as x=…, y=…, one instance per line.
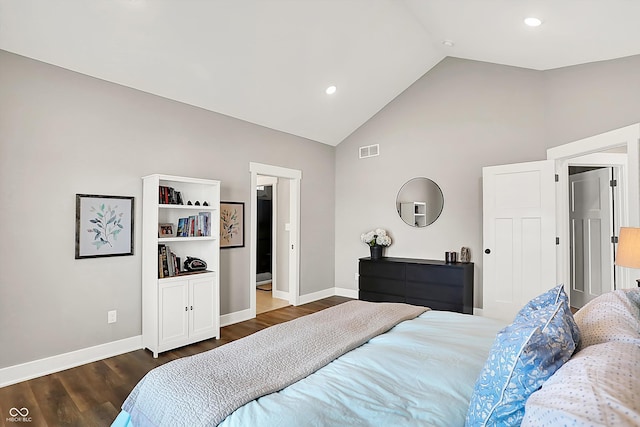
x=523, y=356
x=555, y=295
x=551, y=297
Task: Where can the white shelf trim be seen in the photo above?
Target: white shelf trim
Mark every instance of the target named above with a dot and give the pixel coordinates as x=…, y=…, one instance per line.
x=185, y=239
x=188, y=207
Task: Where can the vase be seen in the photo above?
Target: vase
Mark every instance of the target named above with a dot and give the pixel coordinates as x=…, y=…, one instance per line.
x=465, y=255
x=376, y=251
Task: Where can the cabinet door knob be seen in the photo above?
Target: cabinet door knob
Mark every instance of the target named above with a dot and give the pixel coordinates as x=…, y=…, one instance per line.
x=192, y=308
x=186, y=309
x=487, y=251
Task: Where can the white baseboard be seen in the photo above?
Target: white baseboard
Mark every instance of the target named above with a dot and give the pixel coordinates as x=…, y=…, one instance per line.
x=478, y=311
x=235, y=317
x=348, y=293
x=281, y=294
x=49, y=365
x=326, y=293
x=37, y=368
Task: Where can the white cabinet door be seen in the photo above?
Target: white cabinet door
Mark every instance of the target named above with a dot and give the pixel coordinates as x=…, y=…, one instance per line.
x=174, y=314
x=202, y=305
x=519, y=235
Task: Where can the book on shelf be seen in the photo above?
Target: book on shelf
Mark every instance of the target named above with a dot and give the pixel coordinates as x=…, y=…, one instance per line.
x=182, y=223
x=169, y=196
x=195, y=225
x=168, y=262
x=205, y=220
x=163, y=269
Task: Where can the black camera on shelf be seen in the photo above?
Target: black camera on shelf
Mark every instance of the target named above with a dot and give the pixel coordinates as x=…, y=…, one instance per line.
x=194, y=264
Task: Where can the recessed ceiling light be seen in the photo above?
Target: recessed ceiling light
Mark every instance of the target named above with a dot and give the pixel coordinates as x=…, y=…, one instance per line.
x=331, y=90
x=532, y=22
x=448, y=43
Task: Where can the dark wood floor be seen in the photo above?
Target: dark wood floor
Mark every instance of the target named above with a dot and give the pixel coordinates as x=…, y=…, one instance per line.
x=91, y=394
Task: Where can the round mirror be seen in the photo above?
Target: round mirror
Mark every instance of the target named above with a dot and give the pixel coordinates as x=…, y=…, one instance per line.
x=419, y=202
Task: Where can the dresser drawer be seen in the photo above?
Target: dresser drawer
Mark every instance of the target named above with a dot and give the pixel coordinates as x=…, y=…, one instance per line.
x=382, y=286
x=387, y=270
x=435, y=274
x=375, y=297
x=436, y=305
x=435, y=291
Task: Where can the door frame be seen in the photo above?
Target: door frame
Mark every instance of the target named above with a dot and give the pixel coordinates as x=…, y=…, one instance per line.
x=589, y=150
x=294, y=176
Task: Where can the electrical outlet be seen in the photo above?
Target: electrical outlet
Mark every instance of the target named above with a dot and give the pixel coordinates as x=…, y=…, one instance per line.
x=357, y=276
x=112, y=316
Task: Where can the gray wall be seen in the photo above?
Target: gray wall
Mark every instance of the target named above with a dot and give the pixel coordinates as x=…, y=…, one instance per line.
x=589, y=99
x=63, y=133
x=460, y=116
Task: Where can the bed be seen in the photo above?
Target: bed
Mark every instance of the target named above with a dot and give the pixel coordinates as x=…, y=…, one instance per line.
x=432, y=368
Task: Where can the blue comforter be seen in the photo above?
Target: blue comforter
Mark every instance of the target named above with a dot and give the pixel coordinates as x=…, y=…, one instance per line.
x=421, y=372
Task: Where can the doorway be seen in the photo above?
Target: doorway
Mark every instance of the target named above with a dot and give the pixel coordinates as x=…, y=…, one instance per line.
x=267, y=239
x=618, y=149
x=503, y=260
x=285, y=237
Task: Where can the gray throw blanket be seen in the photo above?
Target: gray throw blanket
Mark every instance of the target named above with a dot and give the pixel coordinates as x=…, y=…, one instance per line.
x=202, y=390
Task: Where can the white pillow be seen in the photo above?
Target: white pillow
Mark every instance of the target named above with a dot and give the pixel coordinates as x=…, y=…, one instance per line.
x=598, y=386
x=614, y=316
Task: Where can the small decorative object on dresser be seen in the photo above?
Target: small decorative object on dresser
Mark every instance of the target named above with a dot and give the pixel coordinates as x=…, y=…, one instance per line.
x=465, y=254
x=377, y=240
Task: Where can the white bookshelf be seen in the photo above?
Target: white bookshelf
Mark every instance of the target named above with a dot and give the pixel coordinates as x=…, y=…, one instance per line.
x=183, y=308
x=414, y=213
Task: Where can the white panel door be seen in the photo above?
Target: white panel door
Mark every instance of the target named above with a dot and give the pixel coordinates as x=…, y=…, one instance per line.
x=202, y=307
x=590, y=231
x=174, y=315
x=519, y=233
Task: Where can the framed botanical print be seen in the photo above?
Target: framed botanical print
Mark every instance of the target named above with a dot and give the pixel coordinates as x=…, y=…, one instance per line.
x=231, y=225
x=104, y=226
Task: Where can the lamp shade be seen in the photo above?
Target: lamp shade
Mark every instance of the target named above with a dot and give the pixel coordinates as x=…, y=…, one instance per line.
x=628, y=254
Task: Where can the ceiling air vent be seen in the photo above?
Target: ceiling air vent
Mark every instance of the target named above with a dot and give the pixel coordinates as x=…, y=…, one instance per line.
x=369, y=151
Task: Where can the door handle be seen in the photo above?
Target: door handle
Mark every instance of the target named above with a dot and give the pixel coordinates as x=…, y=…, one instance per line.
x=487, y=251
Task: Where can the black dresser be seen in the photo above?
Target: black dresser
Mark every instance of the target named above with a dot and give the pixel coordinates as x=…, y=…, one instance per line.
x=430, y=283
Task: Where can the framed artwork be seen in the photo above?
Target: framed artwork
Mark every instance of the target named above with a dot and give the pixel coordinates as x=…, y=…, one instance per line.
x=231, y=225
x=166, y=230
x=104, y=226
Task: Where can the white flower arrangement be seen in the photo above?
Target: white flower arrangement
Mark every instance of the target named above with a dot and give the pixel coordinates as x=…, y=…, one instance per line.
x=377, y=237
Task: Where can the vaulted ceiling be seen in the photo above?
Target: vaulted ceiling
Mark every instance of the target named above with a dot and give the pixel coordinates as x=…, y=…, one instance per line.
x=269, y=61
